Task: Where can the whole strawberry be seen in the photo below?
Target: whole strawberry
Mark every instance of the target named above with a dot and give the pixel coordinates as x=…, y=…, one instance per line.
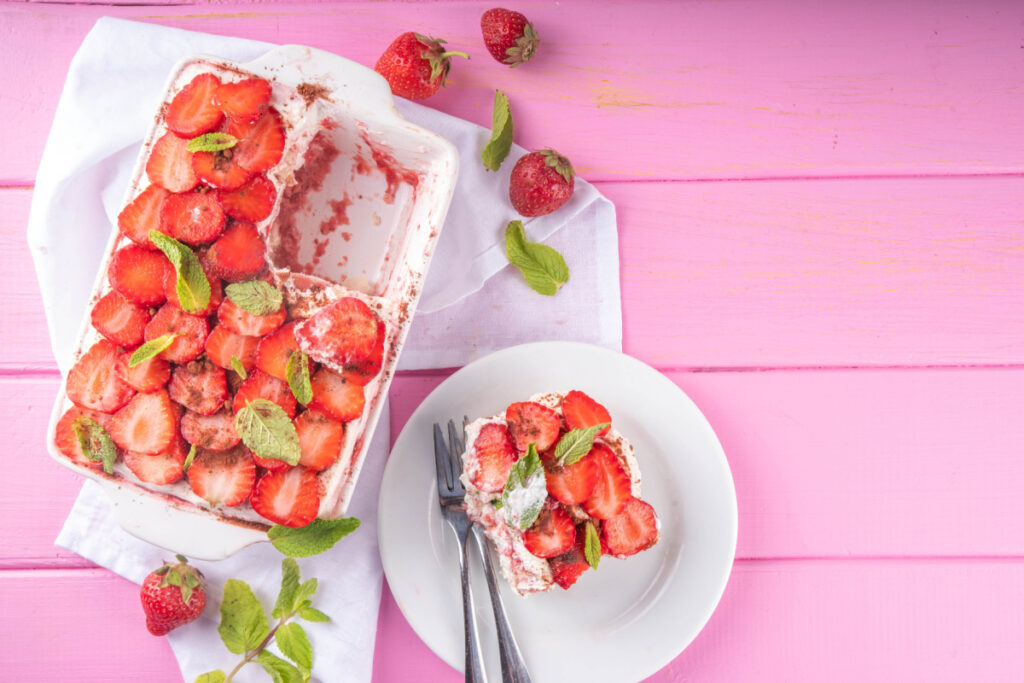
x=541, y=182
x=416, y=66
x=172, y=596
x=509, y=36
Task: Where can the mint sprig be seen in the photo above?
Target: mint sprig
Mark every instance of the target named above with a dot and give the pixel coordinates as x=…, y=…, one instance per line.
x=268, y=431
x=211, y=142
x=297, y=372
x=238, y=367
x=592, y=545
x=500, y=143
x=576, y=443
x=255, y=296
x=543, y=267
x=527, y=475
x=314, y=538
x=245, y=629
x=192, y=287
x=151, y=349
x=189, y=458
x=95, y=442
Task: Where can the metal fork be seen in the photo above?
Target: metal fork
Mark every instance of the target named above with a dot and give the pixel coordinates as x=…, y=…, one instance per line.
x=513, y=668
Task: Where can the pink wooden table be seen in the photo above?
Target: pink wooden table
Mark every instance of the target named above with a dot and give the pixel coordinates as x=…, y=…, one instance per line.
x=821, y=214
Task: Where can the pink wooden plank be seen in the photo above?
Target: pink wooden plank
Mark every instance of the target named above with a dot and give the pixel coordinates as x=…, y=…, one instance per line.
x=691, y=90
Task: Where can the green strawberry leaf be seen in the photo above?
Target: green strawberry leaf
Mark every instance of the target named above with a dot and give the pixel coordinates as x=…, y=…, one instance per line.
x=501, y=133
x=280, y=671
x=267, y=431
x=525, y=485
x=151, y=349
x=592, y=545
x=297, y=372
x=192, y=287
x=286, y=599
x=543, y=268
x=211, y=677
x=255, y=296
x=292, y=641
x=314, y=538
x=211, y=142
x=576, y=443
x=243, y=623
x=311, y=614
x=95, y=442
x=236, y=365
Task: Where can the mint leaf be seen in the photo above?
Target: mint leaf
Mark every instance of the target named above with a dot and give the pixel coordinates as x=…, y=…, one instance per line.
x=306, y=591
x=576, y=443
x=525, y=489
x=211, y=677
x=292, y=641
x=286, y=599
x=243, y=624
x=266, y=430
x=314, y=538
x=189, y=458
x=151, y=349
x=212, y=142
x=501, y=133
x=95, y=442
x=193, y=288
x=592, y=545
x=297, y=372
x=255, y=296
x=236, y=365
x=543, y=267
x=310, y=614
x=280, y=671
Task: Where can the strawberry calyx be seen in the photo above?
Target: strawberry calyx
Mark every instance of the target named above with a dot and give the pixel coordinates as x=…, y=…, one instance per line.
x=525, y=47
x=439, y=58
x=180, y=574
x=558, y=162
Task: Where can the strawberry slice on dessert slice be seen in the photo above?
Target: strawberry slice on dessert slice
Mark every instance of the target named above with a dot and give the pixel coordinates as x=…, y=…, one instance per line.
x=263, y=145
x=120, y=320
x=613, y=486
x=239, y=254
x=161, y=469
x=632, y=530
x=271, y=464
x=339, y=334
x=149, y=375
x=200, y=386
x=137, y=274
x=192, y=112
x=261, y=385
x=567, y=567
x=240, y=321
x=289, y=497
x=214, y=432
x=336, y=395
x=251, y=202
x=222, y=345
x=320, y=439
x=530, y=422
x=218, y=169
x=570, y=484
x=67, y=440
x=192, y=217
x=223, y=477
x=190, y=333
x=142, y=215
x=92, y=382
x=244, y=100
x=493, y=457
x=148, y=424
x=552, y=534
x=275, y=349
x=170, y=164
x=581, y=411
x=364, y=372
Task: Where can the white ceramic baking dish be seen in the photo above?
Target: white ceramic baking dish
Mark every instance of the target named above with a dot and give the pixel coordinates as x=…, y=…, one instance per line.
x=393, y=182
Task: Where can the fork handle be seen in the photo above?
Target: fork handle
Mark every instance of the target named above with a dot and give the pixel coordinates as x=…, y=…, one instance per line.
x=513, y=668
x=474, y=659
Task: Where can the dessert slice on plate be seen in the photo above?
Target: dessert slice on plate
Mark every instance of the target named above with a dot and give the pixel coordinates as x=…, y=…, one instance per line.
x=555, y=487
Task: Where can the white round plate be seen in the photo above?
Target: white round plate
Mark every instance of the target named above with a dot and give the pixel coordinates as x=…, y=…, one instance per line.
x=620, y=623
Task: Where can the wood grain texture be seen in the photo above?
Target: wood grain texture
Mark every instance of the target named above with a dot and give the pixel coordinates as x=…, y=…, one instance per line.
x=718, y=90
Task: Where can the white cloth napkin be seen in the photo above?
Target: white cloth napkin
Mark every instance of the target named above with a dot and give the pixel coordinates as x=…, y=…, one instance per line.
x=477, y=305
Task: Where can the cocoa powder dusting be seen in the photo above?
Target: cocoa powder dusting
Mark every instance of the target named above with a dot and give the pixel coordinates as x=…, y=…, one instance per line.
x=311, y=91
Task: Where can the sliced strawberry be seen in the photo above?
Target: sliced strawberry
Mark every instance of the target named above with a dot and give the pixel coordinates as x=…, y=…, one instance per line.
x=245, y=100
x=223, y=344
x=149, y=375
x=200, y=386
x=632, y=530
x=336, y=395
x=92, y=382
x=190, y=331
x=568, y=566
x=170, y=164
x=120, y=320
x=251, y=202
x=275, y=349
x=613, y=487
x=240, y=321
x=320, y=439
x=271, y=464
x=214, y=432
x=290, y=497
x=530, y=422
x=67, y=440
x=261, y=385
x=160, y=469
x=142, y=215
x=365, y=371
x=223, y=477
x=239, y=254
x=341, y=333
x=192, y=112
x=218, y=169
x=216, y=290
x=138, y=274
x=571, y=484
x=192, y=217
x=552, y=534
x=148, y=424
x=494, y=455
x=580, y=411
x=263, y=145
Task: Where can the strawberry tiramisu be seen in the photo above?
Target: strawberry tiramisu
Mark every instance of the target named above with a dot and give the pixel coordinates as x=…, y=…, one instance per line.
x=555, y=487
